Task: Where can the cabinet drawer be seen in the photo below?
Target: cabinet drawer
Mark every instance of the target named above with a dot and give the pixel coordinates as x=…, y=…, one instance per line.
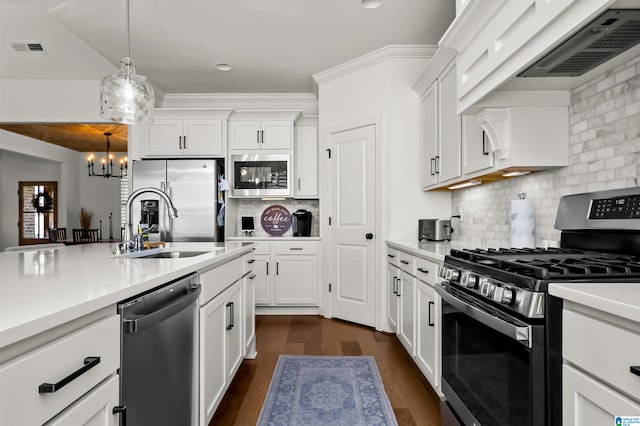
x=426, y=270
x=262, y=247
x=20, y=379
x=248, y=261
x=602, y=349
x=406, y=262
x=293, y=247
x=392, y=256
x=215, y=280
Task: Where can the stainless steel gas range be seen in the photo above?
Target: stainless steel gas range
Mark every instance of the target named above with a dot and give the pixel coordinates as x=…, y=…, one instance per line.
x=502, y=331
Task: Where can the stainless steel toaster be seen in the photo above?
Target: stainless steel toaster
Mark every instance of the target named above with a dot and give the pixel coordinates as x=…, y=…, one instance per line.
x=434, y=230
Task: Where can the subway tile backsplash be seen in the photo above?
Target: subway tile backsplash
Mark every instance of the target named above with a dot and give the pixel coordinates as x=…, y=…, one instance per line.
x=604, y=154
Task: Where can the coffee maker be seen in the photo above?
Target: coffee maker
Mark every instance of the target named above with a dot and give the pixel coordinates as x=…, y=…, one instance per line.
x=301, y=223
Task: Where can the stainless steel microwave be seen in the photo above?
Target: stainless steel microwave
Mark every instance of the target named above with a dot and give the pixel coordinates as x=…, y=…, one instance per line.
x=261, y=175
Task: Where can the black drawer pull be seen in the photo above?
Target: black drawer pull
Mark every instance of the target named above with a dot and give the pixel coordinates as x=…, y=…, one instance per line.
x=122, y=410
x=431, y=323
x=296, y=248
x=395, y=285
x=635, y=370
x=404, y=262
x=391, y=256
x=252, y=276
x=251, y=261
x=424, y=271
x=89, y=363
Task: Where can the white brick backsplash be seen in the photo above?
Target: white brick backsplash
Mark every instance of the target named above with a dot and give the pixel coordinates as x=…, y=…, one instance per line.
x=604, y=152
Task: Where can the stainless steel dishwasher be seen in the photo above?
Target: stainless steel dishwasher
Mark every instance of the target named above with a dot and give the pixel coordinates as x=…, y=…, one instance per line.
x=159, y=355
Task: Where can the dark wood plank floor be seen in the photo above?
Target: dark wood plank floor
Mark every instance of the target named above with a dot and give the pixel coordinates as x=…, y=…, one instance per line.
x=412, y=398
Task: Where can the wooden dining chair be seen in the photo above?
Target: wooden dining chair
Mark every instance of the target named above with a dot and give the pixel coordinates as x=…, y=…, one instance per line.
x=57, y=234
x=81, y=236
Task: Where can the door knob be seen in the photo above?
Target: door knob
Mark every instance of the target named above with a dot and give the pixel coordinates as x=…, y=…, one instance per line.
x=369, y=236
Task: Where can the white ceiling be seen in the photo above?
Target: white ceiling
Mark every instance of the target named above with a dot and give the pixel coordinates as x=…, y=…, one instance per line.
x=274, y=46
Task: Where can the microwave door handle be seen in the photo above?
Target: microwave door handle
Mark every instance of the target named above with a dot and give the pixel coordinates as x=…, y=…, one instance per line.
x=520, y=334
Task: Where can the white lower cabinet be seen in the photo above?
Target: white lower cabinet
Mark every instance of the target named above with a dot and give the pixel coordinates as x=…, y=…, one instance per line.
x=221, y=347
x=93, y=409
x=413, y=308
x=286, y=273
x=406, y=320
x=588, y=402
x=249, y=306
x=44, y=382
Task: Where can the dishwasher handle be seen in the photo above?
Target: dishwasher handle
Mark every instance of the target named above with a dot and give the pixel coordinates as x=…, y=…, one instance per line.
x=132, y=326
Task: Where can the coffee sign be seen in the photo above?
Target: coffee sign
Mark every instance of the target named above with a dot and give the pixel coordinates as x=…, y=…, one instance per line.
x=276, y=220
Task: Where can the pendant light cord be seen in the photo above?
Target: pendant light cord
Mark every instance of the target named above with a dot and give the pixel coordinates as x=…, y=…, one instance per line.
x=128, y=43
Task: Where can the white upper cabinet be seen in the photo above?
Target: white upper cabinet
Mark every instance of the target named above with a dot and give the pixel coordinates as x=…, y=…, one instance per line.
x=306, y=161
x=262, y=130
x=183, y=132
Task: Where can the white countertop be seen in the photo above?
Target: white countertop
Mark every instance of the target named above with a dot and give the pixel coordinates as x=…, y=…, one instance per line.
x=621, y=299
x=42, y=289
x=268, y=238
x=435, y=250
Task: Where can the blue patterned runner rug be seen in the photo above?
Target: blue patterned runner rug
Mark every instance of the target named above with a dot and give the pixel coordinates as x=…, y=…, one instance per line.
x=326, y=391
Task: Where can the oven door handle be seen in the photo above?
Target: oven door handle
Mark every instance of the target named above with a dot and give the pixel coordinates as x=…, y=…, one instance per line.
x=520, y=334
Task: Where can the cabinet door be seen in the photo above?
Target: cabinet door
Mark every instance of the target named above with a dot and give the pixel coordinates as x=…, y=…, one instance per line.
x=407, y=309
x=262, y=280
x=244, y=135
x=203, y=137
x=427, y=342
x=213, y=375
x=234, y=328
x=588, y=402
x=449, y=159
x=296, y=280
x=94, y=408
x=476, y=152
x=276, y=135
x=249, y=308
x=392, y=296
x=429, y=135
x=306, y=164
x=165, y=138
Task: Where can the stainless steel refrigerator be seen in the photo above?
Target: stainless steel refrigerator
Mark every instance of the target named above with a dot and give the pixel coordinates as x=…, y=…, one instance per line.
x=192, y=186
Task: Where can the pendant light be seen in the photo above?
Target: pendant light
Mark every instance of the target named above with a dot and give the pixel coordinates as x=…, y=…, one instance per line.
x=126, y=97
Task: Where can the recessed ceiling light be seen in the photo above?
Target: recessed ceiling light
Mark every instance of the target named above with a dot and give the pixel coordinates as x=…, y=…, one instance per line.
x=223, y=66
x=371, y=4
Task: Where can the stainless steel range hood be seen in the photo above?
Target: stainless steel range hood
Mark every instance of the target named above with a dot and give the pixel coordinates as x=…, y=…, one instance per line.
x=610, y=34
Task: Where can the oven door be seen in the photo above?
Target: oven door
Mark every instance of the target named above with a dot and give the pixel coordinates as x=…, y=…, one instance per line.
x=492, y=363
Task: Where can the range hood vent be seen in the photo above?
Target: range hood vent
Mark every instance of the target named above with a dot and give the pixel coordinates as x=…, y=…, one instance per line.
x=610, y=34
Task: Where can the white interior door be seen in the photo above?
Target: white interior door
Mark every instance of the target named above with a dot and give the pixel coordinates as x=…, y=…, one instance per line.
x=353, y=224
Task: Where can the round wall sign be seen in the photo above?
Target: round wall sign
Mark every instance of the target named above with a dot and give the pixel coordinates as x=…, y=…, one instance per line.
x=276, y=220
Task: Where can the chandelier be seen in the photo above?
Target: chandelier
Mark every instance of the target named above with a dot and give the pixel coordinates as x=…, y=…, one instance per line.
x=126, y=97
x=107, y=164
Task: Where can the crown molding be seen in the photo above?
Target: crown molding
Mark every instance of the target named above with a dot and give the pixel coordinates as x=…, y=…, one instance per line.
x=231, y=98
x=377, y=56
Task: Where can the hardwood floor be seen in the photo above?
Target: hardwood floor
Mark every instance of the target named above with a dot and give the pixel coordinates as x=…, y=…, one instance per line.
x=413, y=400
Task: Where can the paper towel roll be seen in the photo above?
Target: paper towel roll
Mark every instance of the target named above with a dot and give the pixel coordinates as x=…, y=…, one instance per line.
x=523, y=224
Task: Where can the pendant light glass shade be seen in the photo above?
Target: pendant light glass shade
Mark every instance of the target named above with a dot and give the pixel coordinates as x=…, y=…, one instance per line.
x=126, y=97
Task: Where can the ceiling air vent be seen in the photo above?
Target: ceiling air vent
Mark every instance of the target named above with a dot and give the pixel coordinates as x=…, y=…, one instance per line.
x=28, y=47
x=610, y=34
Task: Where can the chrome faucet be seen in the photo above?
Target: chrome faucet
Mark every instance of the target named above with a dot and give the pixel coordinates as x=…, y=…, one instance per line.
x=171, y=210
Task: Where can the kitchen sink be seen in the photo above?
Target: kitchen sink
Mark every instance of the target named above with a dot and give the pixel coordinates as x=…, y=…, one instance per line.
x=171, y=254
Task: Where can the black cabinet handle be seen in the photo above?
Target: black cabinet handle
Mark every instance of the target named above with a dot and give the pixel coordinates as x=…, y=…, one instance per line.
x=258, y=136
x=485, y=151
x=262, y=136
x=398, y=287
x=404, y=262
x=230, y=323
x=184, y=142
x=391, y=256
x=277, y=268
x=180, y=142
x=296, y=248
x=251, y=261
x=635, y=370
x=431, y=323
x=437, y=164
x=252, y=276
x=432, y=161
x=395, y=285
x=122, y=410
x=267, y=268
x=89, y=363
x=424, y=271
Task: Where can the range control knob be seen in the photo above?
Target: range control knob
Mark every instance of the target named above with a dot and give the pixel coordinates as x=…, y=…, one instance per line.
x=455, y=275
x=486, y=287
x=503, y=295
x=472, y=281
x=442, y=272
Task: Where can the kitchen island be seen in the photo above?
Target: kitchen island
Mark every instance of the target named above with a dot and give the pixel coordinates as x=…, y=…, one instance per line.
x=58, y=307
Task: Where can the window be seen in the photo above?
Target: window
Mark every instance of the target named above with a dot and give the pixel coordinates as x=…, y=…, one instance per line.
x=38, y=207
